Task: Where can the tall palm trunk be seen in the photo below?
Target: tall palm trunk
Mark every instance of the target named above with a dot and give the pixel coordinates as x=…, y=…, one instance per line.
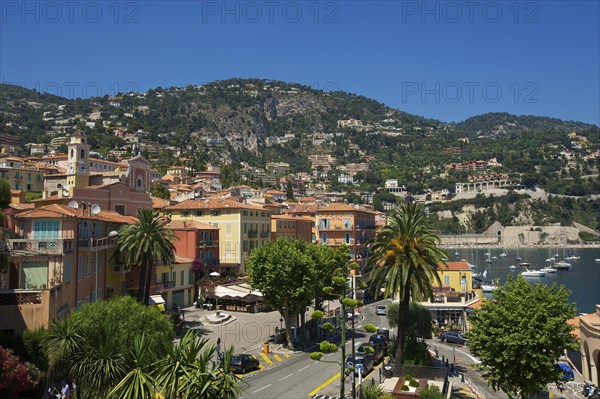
x=149, y=264
x=142, y=284
x=403, y=311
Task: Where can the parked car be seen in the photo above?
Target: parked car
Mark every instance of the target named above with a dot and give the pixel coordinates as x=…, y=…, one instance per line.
x=243, y=363
x=378, y=353
x=381, y=340
x=349, y=316
x=380, y=310
x=454, y=337
x=362, y=363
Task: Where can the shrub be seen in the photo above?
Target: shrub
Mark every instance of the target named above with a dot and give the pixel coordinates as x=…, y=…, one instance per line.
x=432, y=392
x=15, y=376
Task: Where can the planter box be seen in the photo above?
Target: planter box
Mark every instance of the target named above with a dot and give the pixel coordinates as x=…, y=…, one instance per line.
x=412, y=393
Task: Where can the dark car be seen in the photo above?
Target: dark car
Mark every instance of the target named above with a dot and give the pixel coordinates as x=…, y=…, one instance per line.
x=454, y=337
x=361, y=363
x=378, y=353
x=381, y=340
x=243, y=363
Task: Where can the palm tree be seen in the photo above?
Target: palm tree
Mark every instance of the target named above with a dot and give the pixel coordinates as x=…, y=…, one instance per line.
x=145, y=242
x=404, y=260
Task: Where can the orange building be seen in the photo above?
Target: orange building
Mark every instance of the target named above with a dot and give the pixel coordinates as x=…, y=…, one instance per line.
x=342, y=224
x=299, y=228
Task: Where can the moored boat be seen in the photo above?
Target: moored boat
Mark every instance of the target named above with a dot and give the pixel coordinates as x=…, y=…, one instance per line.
x=562, y=265
x=512, y=267
x=524, y=264
x=533, y=273
x=548, y=269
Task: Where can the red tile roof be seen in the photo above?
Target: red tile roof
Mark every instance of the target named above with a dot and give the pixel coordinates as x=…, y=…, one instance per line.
x=337, y=207
x=212, y=203
x=190, y=225
x=59, y=211
x=460, y=266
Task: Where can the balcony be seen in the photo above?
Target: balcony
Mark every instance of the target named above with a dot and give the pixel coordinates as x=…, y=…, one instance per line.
x=265, y=234
x=20, y=297
x=203, y=244
x=36, y=247
x=252, y=233
x=165, y=285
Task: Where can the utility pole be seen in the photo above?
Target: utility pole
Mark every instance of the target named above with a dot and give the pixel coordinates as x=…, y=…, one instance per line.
x=353, y=346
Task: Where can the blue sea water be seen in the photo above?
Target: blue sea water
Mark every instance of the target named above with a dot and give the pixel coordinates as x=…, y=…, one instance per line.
x=583, y=278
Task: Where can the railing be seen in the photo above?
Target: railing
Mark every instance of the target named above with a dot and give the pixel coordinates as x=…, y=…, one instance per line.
x=32, y=247
x=208, y=244
x=324, y=227
x=20, y=297
x=165, y=285
x=265, y=234
x=252, y=233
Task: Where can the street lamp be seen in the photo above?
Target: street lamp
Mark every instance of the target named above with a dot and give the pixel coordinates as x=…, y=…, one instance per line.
x=215, y=274
x=112, y=234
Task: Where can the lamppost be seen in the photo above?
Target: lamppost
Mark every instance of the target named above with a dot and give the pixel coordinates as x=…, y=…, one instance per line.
x=112, y=234
x=215, y=274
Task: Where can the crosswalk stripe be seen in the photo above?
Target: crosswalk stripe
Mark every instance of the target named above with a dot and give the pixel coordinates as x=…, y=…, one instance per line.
x=266, y=359
x=278, y=358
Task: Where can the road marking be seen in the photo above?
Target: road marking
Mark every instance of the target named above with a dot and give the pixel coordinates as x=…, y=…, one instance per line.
x=258, y=390
x=287, y=376
x=323, y=385
x=266, y=359
x=473, y=358
x=260, y=366
x=286, y=355
x=279, y=359
x=304, y=368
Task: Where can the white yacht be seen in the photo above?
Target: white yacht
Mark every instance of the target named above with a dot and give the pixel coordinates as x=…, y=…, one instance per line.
x=533, y=273
x=562, y=265
x=549, y=269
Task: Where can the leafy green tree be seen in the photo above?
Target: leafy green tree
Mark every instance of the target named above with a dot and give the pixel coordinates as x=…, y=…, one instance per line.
x=144, y=243
x=289, y=191
x=405, y=259
x=521, y=335
x=5, y=196
x=160, y=191
x=283, y=271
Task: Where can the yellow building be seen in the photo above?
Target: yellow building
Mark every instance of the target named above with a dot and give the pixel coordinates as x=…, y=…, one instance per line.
x=175, y=283
x=298, y=227
x=24, y=179
x=454, y=299
x=242, y=227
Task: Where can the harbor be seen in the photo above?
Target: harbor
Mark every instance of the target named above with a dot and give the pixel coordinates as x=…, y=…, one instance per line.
x=582, y=278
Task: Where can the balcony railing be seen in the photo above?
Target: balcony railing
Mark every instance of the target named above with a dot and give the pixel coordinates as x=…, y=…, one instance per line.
x=208, y=244
x=33, y=247
x=252, y=233
x=165, y=285
x=20, y=297
x=265, y=234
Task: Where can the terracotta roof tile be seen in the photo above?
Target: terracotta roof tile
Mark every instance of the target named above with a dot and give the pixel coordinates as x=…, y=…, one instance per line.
x=460, y=266
x=212, y=203
x=59, y=211
x=158, y=203
x=190, y=225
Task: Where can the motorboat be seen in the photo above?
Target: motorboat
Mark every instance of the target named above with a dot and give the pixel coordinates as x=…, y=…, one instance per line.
x=504, y=254
x=533, y=273
x=487, y=254
x=550, y=260
x=512, y=267
x=524, y=264
x=597, y=260
x=518, y=259
x=488, y=261
x=494, y=258
x=486, y=287
x=549, y=270
x=573, y=257
x=562, y=265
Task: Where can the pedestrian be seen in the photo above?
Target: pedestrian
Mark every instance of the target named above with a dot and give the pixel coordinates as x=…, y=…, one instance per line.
x=65, y=391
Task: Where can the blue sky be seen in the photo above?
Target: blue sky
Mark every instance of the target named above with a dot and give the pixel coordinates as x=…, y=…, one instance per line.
x=443, y=60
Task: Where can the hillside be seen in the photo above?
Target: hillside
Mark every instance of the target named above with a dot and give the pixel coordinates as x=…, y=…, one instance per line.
x=498, y=123
x=256, y=121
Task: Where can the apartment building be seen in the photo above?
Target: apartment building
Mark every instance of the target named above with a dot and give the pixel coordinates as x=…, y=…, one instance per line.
x=342, y=224
x=242, y=227
x=299, y=228
x=60, y=258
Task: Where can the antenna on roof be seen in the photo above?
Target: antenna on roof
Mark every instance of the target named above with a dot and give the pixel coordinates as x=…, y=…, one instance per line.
x=74, y=204
x=95, y=209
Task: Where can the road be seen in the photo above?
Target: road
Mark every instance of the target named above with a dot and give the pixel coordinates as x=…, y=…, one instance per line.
x=299, y=376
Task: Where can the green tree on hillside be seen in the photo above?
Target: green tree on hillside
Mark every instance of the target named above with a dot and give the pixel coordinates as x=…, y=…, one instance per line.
x=521, y=335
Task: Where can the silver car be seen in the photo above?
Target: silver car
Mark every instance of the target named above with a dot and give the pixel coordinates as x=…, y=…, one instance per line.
x=380, y=310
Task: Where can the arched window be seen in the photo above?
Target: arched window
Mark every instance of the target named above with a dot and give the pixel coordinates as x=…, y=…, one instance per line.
x=82, y=155
x=72, y=153
x=139, y=182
